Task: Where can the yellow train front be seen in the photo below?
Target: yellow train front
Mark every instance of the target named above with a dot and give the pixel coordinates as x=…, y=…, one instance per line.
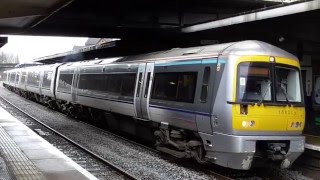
x=258, y=114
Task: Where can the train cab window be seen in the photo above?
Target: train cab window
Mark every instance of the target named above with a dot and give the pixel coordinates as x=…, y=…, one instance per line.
x=65, y=82
x=288, y=85
x=175, y=86
x=47, y=76
x=254, y=82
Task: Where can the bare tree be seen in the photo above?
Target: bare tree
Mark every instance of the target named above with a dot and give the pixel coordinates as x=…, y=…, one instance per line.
x=8, y=58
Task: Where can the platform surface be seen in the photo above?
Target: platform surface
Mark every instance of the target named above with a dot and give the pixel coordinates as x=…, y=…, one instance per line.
x=25, y=155
x=312, y=142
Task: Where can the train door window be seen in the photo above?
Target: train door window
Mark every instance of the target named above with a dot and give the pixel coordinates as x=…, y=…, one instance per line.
x=47, y=76
x=12, y=77
x=205, y=85
x=139, y=84
x=17, y=77
x=65, y=82
x=175, y=86
x=147, y=85
x=127, y=84
x=4, y=77
x=23, y=78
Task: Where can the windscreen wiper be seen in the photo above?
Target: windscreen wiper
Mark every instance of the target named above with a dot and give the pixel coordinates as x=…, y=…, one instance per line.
x=264, y=94
x=285, y=95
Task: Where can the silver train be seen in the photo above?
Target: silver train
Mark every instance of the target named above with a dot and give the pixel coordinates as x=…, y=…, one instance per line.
x=234, y=104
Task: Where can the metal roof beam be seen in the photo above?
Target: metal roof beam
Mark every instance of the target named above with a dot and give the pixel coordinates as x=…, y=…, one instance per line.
x=25, y=11
x=255, y=16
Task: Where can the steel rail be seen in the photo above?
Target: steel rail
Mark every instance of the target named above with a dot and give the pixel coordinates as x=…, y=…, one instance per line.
x=220, y=176
x=115, y=167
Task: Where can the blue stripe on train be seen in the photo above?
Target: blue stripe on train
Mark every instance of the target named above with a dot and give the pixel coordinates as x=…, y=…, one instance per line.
x=196, y=61
x=181, y=110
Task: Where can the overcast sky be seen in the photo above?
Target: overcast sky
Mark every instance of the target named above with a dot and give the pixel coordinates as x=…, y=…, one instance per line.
x=31, y=47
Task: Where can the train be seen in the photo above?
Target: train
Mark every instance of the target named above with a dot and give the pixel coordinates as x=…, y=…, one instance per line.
x=238, y=105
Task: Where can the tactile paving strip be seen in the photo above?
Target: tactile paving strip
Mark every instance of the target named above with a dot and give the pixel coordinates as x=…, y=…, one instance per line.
x=18, y=164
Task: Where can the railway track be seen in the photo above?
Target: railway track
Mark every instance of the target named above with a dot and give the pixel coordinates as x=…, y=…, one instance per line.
x=214, y=174
x=218, y=175
x=92, y=162
x=214, y=171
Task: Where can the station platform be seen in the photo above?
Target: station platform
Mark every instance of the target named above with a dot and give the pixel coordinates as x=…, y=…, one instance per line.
x=312, y=142
x=25, y=155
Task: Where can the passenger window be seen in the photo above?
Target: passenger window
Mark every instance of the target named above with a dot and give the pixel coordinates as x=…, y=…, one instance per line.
x=33, y=79
x=122, y=84
x=205, y=85
x=12, y=77
x=114, y=83
x=127, y=85
x=47, y=76
x=65, y=82
x=94, y=82
x=175, y=86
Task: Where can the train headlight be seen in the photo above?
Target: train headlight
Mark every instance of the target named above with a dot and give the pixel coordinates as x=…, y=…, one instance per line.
x=244, y=123
x=248, y=123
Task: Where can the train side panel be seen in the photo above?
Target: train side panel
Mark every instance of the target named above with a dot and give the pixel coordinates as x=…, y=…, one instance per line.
x=107, y=87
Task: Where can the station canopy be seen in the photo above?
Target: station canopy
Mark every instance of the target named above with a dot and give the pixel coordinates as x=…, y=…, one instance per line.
x=121, y=18
x=163, y=24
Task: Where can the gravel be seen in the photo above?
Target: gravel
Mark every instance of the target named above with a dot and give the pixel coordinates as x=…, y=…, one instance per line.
x=143, y=163
x=137, y=160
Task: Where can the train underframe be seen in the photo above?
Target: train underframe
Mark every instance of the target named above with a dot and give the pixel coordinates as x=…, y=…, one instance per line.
x=239, y=153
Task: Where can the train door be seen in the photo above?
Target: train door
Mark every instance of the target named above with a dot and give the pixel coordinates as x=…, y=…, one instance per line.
x=143, y=86
x=206, y=84
x=138, y=90
x=147, y=89
x=75, y=81
x=41, y=74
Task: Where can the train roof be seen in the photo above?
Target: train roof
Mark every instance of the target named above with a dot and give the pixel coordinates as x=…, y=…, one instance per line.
x=249, y=47
x=243, y=48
